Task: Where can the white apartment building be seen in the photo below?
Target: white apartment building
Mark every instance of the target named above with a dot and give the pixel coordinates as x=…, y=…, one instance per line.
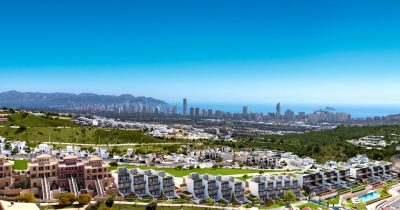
x=146, y=182
x=204, y=186
x=273, y=186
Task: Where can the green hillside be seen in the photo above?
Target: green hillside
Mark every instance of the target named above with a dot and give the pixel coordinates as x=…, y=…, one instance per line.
x=327, y=145
x=42, y=128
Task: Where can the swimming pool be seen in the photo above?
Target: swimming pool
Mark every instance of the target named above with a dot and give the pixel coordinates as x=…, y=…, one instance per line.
x=369, y=197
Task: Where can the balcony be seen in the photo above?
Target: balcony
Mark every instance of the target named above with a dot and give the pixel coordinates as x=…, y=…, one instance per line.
x=168, y=189
x=226, y=192
x=168, y=183
x=212, y=192
x=154, y=187
x=239, y=189
x=212, y=187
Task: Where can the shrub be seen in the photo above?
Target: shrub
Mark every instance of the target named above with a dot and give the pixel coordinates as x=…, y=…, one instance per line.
x=114, y=163
x=269, y=202
x=66, y=199
x=84, y=199
x=27, y=198
x=109, y=202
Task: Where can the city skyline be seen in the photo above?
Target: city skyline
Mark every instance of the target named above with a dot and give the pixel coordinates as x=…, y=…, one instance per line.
x=337, y=53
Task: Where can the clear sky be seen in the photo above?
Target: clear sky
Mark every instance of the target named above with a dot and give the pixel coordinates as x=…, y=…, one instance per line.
x=246, y=51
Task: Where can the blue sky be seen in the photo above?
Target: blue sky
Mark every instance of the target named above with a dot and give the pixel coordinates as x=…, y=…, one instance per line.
x=208, y=51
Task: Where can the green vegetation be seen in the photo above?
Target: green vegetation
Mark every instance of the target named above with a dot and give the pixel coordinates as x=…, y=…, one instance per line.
x=320, y=145
x=20, y=164
x=185, y=172
x=335, y=200
x=383, y=193
x=343, y=191
x=326, y=145
x=142, y=207
x=391, y=183
x=313, y=206
x=359, y=188
x=26, y=120
x=38, y=129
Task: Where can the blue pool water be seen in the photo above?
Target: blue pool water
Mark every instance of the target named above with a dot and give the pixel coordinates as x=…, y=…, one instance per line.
x=369, y=197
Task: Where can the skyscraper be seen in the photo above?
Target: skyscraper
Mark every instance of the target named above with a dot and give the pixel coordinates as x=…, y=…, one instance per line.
x=245, y=110
x=289, y=115
x=184, y=106
x=191, y=111
x=278, y=112
x=197, y=112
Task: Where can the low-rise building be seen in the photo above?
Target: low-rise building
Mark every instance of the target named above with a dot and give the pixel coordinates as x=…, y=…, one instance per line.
x=274, y=186
x=150, y=182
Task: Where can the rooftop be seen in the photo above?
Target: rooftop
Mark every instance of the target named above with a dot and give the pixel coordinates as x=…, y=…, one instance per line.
x=5, y=205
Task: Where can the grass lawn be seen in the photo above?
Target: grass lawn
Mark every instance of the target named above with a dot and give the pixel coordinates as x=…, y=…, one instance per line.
x=273, y=206
x=334, y=200
x=358, y=188
x=391, y=182
x=20, y=164
x=383, y=193
x=312, y=206
x=212, y=171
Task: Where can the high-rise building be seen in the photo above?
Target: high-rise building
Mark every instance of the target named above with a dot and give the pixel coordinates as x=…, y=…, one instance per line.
x=289, y=115
x=197, y=112
x=184, y=106
x=278, y=112
x=191, y=111
x=174, y=110
x=209, y=113
x=245, y=110
x=302, y=115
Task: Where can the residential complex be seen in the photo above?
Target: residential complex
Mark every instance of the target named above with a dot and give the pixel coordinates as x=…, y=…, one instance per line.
x=274, y=186
x=145, y=182
x=48, y=176
x=204, y=186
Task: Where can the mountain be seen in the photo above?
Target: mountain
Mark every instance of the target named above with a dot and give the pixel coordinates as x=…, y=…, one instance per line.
x=329, y=109
x=67, y=100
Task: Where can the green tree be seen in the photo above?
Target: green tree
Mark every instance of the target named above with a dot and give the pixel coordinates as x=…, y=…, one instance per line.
x=14, y=151
x=7, y=145
x=289, y=196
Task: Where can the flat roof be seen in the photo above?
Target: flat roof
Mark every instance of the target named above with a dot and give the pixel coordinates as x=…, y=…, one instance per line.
x=5, y=205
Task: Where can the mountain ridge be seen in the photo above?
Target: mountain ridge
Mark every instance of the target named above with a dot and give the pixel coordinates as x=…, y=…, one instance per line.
x=19, y=99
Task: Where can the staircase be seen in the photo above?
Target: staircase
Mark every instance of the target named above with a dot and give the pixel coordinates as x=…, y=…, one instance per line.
x=46, y=191
x=73, y=186
x=99, y=187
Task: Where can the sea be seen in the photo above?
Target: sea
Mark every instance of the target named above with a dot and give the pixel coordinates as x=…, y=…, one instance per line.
x=356, y=111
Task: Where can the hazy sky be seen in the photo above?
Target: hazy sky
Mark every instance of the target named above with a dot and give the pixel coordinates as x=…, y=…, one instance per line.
x=208, y=51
